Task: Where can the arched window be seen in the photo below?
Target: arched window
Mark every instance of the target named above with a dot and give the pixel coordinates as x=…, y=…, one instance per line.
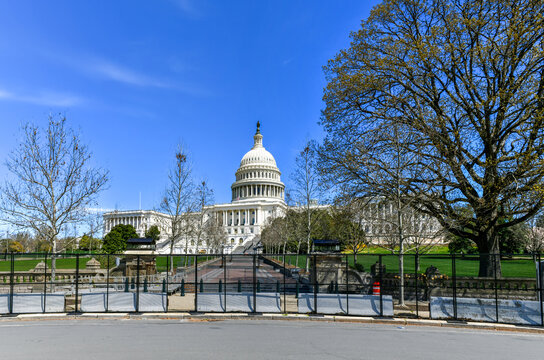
x=240, y=241
x=232, y=240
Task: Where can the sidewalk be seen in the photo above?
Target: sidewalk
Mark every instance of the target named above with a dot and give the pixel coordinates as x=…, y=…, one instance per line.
x=283, y=317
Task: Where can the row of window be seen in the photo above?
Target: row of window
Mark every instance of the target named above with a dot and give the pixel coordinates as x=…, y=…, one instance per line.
x=235, y=230
x=258, y=175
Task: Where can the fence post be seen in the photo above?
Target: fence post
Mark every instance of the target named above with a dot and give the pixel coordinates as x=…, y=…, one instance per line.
x=137, y=283
x=107, y=281
x=381, y=284
x=496, y=285
x=316, y=284
x=196, y=283
x=454, y=286
x=416, y=259
x=254, y=283
x=77, y=281
x=540, y=286
x=44, y=282
x=11, y=279
x=347, y=282
x=284, y=296
x=167, y=281
x=225, y=281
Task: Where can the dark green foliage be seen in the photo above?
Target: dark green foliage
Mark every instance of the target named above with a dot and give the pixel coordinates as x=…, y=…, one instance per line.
x=153, y=232
x=359, y=267
x=116, y=240
x=461, y=245
x=512, y=239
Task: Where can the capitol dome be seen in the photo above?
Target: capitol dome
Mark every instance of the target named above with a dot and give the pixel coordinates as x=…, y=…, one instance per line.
x=258, y=175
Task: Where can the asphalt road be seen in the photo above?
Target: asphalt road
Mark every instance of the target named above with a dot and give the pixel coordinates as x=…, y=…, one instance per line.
x=232, y=339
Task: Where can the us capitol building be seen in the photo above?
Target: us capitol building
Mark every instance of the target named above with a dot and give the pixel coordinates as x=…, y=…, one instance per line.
x=257, y=194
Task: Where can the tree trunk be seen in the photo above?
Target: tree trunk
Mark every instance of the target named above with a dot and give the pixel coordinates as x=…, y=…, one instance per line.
x=53, y=264
x=298, y=252
x=401, y=251
x=171, y=252
x=308, y=252
x=490, y=264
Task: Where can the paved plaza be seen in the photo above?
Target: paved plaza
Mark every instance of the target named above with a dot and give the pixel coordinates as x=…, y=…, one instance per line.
x=233, y=339
x=240, y=268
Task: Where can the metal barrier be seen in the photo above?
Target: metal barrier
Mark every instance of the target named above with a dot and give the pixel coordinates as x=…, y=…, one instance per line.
x=437, y=286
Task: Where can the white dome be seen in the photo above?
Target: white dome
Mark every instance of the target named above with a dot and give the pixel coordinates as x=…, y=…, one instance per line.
x=258, y=176
x=258, y=156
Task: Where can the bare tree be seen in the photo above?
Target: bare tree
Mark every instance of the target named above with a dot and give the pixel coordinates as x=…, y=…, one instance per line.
x=275, y=233
x=348, y=224
x=534, y=242
x=466, y=78
x=178, y=200
x=215, y=233
x=380, y=176
x=95, y=230
x=307, y=191
x=204, y=197
x=52, y=182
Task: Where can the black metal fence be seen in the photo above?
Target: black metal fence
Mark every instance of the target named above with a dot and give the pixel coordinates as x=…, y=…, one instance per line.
x=438, y=286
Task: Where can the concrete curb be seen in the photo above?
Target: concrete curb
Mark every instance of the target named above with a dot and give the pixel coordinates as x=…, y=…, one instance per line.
x=282, y=317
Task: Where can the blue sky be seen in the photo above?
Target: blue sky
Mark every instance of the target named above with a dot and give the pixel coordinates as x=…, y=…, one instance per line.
x=137, y=77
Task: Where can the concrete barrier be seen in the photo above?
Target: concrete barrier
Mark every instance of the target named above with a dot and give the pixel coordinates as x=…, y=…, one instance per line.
x=4, y=303
x=150, y=302
x=243, y=302
x=93, y=302
x=364, y=305
x=53, y=303
x=27, y=303
x=510, y=311
x=210, y=302
x=122, y=302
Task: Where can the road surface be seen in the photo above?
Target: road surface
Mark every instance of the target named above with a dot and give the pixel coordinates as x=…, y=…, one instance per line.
x=254, y=339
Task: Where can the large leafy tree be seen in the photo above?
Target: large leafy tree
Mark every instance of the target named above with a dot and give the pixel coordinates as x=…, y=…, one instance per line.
x=115, y=241
x=466, y=80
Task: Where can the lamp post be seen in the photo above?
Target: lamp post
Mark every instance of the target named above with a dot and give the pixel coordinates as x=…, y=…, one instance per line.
x=257, y=249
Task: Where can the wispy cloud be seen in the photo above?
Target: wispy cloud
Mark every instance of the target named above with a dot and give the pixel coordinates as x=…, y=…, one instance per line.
x=187, y=6
x=122, y=74
x=47, y=98
x=128, y=76
x=98, y=67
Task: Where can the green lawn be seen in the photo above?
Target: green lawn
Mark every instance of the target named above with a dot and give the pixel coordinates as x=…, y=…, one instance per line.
x=25, y=264
x=179, y=261
x=468, y=266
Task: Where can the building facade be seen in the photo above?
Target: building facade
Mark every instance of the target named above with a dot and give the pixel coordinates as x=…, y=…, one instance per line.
x=257, y=195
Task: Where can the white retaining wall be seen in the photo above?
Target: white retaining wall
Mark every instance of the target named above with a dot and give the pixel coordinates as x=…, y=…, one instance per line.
x=243, y=302
x=365, y=305
x=27, y=303
x=122, y=302
x=510, y=311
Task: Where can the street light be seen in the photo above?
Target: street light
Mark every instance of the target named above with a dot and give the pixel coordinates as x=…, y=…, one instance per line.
x=257, y=249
